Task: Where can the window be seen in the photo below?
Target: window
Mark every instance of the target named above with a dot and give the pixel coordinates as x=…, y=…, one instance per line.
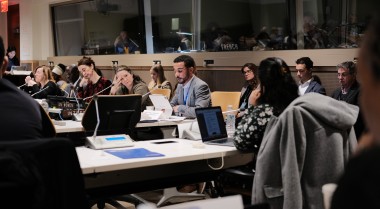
x=167, y=26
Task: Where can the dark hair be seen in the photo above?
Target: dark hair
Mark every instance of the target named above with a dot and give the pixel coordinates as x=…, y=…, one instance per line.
x=305, y=60
x=253, y=68
x=11, y=49
x=186, y=59
x=2, y=52
x=86, y=61
x=74, y=74
x=371, y=46
x=136, y=78
x=349, y=65
x=278, y=88
x=160, y=72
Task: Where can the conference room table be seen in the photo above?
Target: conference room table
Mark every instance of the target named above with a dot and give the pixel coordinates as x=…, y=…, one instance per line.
x=180, y=162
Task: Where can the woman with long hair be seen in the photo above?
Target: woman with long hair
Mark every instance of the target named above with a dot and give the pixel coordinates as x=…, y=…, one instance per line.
x=159, y=80
x=126, y=82
x=92, y=82
x=43, y=83
x=277, y=90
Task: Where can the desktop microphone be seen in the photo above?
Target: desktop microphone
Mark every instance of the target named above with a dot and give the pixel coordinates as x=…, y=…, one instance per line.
x=146, y=94
x=76, y=98
x=134, y=43
x=40, y=91
x=67, y=93
x=22, y=85
x=95, y=98
x=99, y=92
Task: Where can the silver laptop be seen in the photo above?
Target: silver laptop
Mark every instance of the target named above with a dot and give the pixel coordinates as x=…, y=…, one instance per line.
x=212, y=126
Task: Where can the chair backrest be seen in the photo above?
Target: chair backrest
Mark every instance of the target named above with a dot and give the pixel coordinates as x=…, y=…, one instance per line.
x=225, y=98
x=165, y=92
x=42, y=173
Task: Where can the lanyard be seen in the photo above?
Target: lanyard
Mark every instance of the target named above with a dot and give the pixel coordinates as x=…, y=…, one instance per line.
x=187, y=95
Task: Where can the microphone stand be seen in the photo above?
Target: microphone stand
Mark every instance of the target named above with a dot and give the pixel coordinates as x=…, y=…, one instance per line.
x=22, y=85
x=40, y=91
x=95, y=97
x=99, y=92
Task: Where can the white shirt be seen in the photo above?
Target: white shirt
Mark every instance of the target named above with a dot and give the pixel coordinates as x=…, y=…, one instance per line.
x=303, y=86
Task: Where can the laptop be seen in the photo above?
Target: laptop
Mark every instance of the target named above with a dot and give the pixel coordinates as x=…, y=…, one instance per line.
x=212, y=127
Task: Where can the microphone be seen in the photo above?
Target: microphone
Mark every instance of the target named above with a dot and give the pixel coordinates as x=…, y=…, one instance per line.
x=22, y=85
x=134, y=43
x=237, y=110
x=67, y=93
x=40, y=91
x=76, y=98
x=99, y=92
x=95, y=98
x=146, y=94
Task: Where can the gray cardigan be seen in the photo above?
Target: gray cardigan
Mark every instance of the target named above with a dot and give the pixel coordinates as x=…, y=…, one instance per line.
x=307, y=146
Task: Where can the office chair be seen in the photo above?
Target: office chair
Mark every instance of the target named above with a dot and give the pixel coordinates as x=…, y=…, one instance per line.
x=225, y=98
x=165, y=92
x=43, y=173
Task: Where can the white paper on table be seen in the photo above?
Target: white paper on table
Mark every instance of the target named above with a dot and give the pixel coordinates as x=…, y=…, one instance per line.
x=160, y=102
x=151, y=115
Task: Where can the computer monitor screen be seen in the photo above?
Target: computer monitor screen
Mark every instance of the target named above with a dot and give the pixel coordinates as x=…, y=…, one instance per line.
x=118, y=114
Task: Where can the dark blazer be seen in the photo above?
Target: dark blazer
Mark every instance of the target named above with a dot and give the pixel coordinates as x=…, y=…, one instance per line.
x=352, y=96
x=315, y=87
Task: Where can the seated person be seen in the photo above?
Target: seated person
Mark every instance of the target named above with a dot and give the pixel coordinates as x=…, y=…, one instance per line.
x=125, y=82
x=12, y=59
x=43, y=84
x=58, y=71
x=123, y=42
x=92, y=83
x=307, y=83
x=73, y=79
x=191, y=92
x=158, y=79
x=21, y=116
x=249, y=71
x=277, y=90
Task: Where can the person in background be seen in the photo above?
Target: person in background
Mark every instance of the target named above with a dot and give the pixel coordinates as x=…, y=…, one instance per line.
x=92, y=83
x=124, y=45
x=249, y=71
x=126, y=82
x=43, y=83
x=185, y=44
x=21, y=116
x=304, y=67
x=359, y=186
x=349, y=91
x=12, y=59
x=158, y=81
x=58, y=71
x=277, y=90
x=191, y=92
x=73, y=79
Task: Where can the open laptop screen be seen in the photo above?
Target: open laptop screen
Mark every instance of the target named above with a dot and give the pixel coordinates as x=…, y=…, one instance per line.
x=211, y=123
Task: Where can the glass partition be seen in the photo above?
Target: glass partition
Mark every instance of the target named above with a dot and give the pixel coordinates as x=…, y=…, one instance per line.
x=173, y=26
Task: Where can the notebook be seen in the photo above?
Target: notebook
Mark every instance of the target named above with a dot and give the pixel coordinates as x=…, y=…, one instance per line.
x=212, y=127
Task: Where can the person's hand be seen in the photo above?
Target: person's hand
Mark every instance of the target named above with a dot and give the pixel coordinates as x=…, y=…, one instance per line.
x=255, y=95
x=83, y=82
x=116, y=85
x=29, y=81
x=175, y=108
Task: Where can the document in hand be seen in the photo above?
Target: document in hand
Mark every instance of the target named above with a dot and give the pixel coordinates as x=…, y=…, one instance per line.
x=161, y=103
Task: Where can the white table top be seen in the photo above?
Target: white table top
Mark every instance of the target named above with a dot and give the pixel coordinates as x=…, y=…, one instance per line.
x=75, y=126
x=95, y=161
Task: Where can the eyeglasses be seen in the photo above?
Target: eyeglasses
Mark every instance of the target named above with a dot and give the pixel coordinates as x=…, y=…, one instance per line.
x=245, y=72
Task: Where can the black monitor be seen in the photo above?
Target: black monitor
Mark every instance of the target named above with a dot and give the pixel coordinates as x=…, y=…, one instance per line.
x=118, y=114
x=62, y=102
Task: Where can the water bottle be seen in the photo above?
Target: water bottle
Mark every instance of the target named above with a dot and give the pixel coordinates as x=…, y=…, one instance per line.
x=230, y=121
x=45, y=105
